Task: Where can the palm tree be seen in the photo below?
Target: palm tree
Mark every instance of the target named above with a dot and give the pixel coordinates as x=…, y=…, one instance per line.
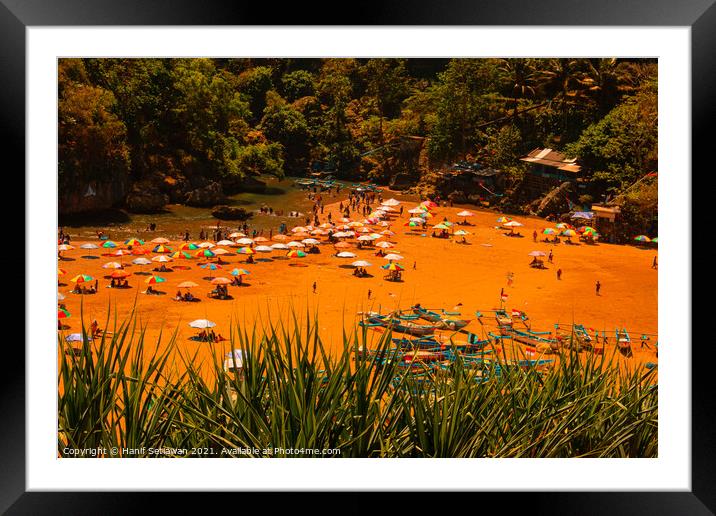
x=521, y=79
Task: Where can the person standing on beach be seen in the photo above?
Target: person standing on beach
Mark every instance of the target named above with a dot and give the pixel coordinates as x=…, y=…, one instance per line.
x=510, y=278
x=534, y=236
x=559, y=274
x=549, y=258
x=598, y=287
x=369, y=293
x=654, y=265
x=415, y=265
x=314, y=287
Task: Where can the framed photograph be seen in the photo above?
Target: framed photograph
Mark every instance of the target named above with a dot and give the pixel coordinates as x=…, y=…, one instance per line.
x=434, y=254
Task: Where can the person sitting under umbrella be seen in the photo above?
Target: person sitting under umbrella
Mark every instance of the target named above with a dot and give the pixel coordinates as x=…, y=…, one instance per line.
x=178, y=296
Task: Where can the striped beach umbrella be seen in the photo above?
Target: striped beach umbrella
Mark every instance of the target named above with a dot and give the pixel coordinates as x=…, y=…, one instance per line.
x=239, y=272
x=188, y=246
x=153, y=280
x=205, y=253
x=502, y=220
x=296, y=253
x=161, y=248
x=108, y=244
x=181, y=255
x=393, y=267
x=549, y=231
x=642, y=238
x=569, y=233
x=61, y=272
x=63, y=313
x=82, y=278
x=133, y=242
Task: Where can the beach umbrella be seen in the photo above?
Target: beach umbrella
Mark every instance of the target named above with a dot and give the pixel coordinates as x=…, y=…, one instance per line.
x=263, y=249
x=77, y=337
x=569, y=233
x=133, y=242
x=60, y=296
x=417, y=220
x=295, y=245
x=65, y=247
x=226, y=242
x=326, y=225
x=642, y=238
x=393, y=257
x=387, y=233
x=236, y=234
x=61, y=272
x=299, y=229
x=119, y=274
x=221, y=281
x=385, y=245
x=346, y=254
x=187, y=284
x=202, y=324
x=296, y=253
x=261, y=239
x=318, y=232
x=465, y=213
x=429, y=204
x=441, y=226
x=188, y=246
x=245, y=250
x=62, y=313
x=342, y=245
x=82, y=278
x=549, y=231
x=210, y=266
x=279, y=246
x=139, y=251
x=361, y=263
x=219, y=251
x=391, y=202
x=112, y=265
x=206, y=245
x=655, y=239
x=355, y=224
x=205, y=253
x=141, y=261
x=537, y=253
x=239, y=272
x=159, y=240
x=413, y=224
x=364, y=230
x=502, y=220
x=311, y=241
x=365, y=238
x=513, y=224
x=89, y=246
x=161, y=248
x=153, y=280
x=181, y=255
x=109, y=244
x=393, y=267
x=280, y=238
x=426, y=215
x=416, y=210
x=245, y=241
x=161, y=258
x=461, y=232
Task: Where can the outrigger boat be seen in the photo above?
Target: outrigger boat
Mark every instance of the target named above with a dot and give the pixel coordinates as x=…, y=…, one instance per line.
x=418, y=330
x=624, y=342
x=443, y=320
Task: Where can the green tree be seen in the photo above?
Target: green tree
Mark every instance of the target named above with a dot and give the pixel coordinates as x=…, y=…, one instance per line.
x=284, y=124
x=298, y=84
x=255, y=83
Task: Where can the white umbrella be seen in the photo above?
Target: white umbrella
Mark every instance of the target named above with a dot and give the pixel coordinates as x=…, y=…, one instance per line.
x=537, y=253
x=416, y=210
x=297, y=245
x=89, y=246
x=263, y=249
x=160, y=240
x=225, y=242
x=60, y=296
x=361, y=263
x=162, y=258
x=279, y=246
x=141, y=261
x=219, y=251
x=76, y=337
x=311, y=241
x=202, y=323
x=365, y=238
x=299, y=229
x=245, y=241
x=346, y=254
x=112, y=265
x=206, y=245
x=417, y=220
x=461, y=232
x=391, y=202
x=465, y=213
x=512, y=224
x=236, y=234
x=393, y=257
x=385, y=245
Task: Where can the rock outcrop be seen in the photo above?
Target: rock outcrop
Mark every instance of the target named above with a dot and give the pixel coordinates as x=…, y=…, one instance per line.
x=146, y=198
x=92, y=196
x=224, y=212
x=209, y=195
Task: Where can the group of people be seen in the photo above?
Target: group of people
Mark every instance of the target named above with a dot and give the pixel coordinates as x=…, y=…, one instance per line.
x=210, y=336
x=220, y=292
x=185, y=297
x=360, y=272
x=119, y=283
x=81, y=289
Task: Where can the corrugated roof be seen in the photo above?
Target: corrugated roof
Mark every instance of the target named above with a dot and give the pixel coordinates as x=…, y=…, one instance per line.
x=552, y=158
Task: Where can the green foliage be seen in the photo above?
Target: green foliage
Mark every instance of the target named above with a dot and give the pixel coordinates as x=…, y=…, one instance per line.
x=121, y=391
x=92, y=140
x=255, y=83
x=622, y=146
x=298, y=84
x=287, y=126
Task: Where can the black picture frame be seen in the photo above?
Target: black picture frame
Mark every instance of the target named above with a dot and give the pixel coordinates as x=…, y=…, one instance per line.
x=16, y=16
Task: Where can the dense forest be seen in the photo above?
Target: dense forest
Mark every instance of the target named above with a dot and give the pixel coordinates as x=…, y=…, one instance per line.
x=145, y=132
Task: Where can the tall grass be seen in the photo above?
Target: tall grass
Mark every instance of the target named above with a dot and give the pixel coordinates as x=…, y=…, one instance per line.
x=121, y=391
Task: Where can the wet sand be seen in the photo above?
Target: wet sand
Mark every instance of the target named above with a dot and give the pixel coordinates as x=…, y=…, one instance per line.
x=438, y=273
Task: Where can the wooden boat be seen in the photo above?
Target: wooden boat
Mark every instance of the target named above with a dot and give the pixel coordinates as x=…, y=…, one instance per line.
x=443, y=321
x=624, y=342
x=399, y=326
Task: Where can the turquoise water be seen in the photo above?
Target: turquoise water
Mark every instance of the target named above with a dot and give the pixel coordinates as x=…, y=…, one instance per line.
x=280, y=195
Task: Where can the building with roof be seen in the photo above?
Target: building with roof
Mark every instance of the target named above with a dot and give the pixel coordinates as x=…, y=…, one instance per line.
x=548, y=169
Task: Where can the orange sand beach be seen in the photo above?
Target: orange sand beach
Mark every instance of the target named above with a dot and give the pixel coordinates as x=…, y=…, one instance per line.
x=439, y=273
